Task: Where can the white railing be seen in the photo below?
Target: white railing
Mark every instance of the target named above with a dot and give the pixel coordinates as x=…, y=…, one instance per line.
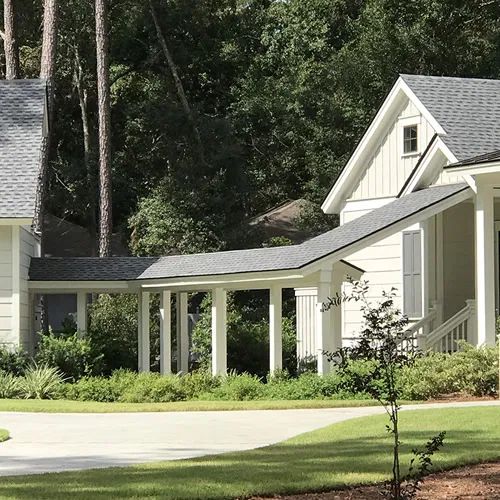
x=461, y=326
x=416, y=333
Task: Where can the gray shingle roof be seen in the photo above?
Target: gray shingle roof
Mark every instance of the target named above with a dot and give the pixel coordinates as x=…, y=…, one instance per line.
x=22, y=104
x=243, y=261
x=467, y=108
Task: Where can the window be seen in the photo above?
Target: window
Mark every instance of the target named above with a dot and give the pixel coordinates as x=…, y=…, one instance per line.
x=410, y=142
x=412, y=274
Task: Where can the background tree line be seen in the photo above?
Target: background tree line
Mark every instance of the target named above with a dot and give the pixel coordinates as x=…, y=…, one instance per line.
x=221, y=109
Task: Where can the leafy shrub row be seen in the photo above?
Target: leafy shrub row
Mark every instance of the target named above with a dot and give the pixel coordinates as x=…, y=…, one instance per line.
x=38, y=382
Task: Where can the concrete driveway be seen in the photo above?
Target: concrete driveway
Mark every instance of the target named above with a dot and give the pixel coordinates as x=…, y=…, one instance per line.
x=45, y=442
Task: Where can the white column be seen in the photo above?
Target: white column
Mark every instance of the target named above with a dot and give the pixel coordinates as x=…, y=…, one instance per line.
x=337, y=280
x=143, y=327
x=275, y=329
x=81, y=312
x=324, y=333
x=165, y=333
x=182, y=332
x=305, y=311
x=219, y=333
x=485, y=265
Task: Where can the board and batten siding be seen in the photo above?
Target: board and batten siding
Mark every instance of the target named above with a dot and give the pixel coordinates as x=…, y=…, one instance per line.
x=388, y=168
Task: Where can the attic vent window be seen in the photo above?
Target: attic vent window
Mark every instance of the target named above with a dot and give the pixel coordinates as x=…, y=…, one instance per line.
x=410, y=142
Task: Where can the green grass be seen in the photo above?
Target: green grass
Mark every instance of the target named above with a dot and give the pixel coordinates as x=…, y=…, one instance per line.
x=4, y=435
x=349, y=453
x=64, y=406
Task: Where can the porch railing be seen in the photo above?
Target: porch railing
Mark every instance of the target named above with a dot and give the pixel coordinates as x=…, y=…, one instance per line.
x=416, y=333
x=461, y=326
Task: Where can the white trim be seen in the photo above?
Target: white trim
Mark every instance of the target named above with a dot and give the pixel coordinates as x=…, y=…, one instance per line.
x=427, y=171
x=182, y=334
x=275, y=329
x=72, y=286
x=219, y=332
x=410, y=121
x=349, y=174
x=165, y=332
x=81, y=312
x=477, y=169
x=497, y=270
x=25, y=221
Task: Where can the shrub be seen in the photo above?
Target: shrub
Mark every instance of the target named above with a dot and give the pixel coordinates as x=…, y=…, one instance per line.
x=41, y=382
x=13, y=361
x=73, y=356
x=154, y=388
x=234, y=387
x=10, y=386
x=472, y=371
x=199, y=382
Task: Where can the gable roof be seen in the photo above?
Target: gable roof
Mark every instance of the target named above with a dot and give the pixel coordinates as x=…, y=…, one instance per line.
x=464, y=112
x=338, y=241
x=468, y=109
x=22, y=115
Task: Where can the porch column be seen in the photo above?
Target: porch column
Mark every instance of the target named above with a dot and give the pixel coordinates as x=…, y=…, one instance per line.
x=81, y=312
x=165, y=333
x=336, y=311
x=219, y=333
x=485, y=265
x=275, y=329
x=182, y=332
x=324, y=334
x=143, y=327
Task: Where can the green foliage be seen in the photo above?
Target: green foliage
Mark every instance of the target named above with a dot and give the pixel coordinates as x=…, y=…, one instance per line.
x=234, y=387
x=471, y=371
x=73, y=356
x=10, y=386
x=41, y=382
x=153, y=388
x=13, y=361
x=247, y=336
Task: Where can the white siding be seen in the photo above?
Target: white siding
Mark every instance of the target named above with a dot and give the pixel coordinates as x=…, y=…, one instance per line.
x=29, y=247
x=7, y=336
x=388, y=169
x=448, y=178
x=382, y=263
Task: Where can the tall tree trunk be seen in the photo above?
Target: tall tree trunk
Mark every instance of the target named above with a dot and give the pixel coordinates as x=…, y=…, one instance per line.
x=47, y=71
x=104, y=111
x=9, y=41
x=178, y=85
x=87, y=151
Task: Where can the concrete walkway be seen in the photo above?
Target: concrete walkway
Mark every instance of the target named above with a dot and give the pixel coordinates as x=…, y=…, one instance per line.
x=49, y=442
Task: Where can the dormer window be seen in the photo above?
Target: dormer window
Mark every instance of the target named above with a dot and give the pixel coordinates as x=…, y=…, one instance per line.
x=410, y=139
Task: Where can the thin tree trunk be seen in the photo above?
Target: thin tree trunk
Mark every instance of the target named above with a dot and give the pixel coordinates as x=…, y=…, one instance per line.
x=87, y=151
x=104, y=111
x=178, y=85
x=10, y=42
x=47, y=71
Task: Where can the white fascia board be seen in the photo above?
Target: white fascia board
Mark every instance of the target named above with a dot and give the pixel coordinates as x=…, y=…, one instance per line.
x=478, y=169
x=426, y=164
x=368, y=204
x=390, y=230
x=349, y=174
x=48, y=287
x=12, y=221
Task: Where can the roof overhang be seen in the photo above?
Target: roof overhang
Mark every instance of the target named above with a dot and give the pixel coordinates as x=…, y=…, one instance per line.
x=475, y=169
x=16, y=221
x=385, y=115
x=435, y=157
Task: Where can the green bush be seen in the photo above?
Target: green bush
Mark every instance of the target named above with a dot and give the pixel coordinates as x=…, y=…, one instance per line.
x=73, y=356
x=41, y=382
x=154, y=388
x=471, y=371
x=14, y=361
x=10, y=386
x=234, y=387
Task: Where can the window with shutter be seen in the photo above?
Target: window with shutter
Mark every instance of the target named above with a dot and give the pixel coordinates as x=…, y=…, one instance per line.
x=412, y=274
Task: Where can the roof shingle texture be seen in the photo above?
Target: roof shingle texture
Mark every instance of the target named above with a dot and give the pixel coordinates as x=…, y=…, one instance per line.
x=22, y=105
x=338, y=240
x=467, y=108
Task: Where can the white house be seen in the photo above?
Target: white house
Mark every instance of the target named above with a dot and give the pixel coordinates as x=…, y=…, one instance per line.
x=418, y=210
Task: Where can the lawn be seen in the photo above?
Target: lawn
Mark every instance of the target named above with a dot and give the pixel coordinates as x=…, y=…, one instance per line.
x=352, y=452
x=64, y=406
x=4, y=435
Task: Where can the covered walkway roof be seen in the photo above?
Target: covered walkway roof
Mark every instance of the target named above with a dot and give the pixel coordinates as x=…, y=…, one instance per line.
x=307, y=257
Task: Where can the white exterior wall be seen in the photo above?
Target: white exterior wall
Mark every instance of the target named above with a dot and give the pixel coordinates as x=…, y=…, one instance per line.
x=7, y=336
x=388, y=169
x=29, y=247
x=305, y=302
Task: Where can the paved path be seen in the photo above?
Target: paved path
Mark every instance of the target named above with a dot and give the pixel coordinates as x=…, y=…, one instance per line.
x=48, y=442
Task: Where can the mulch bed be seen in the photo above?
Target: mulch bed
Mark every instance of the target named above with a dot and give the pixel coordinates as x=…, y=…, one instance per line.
x=477, y=482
